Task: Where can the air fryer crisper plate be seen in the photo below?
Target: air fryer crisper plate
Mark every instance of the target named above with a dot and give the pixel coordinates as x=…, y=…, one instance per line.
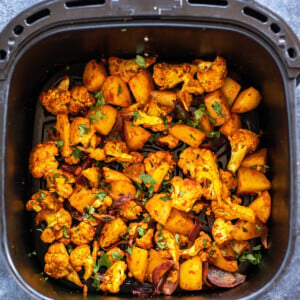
x=54, y=34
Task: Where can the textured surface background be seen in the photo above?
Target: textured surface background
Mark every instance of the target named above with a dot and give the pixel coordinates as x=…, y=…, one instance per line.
x=289, y=286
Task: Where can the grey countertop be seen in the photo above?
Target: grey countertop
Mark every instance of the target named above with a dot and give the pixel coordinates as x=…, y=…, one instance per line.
x=289, y=285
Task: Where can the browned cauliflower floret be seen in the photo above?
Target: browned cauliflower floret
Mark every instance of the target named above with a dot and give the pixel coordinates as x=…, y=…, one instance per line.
x=81, y=132
x=212, y=74
x=81, y=198
x=114, y=277
x=115, y=254
x=42, y=159
x=43, y=200
x=154, y=108
x=201, y=243
x=167, y=76
x=228, y=179
x=185, y=193
x=83, y=233
x=56, y=220
x=111, y=232
x=60, y=182
x=202, y=166
x=81, y=99
x=128, y=68
x=130, y=210
x=242, y=142
x=62, y=127
x=145, y=241
x=81, y=256
x=221, y=231
x=117, y=150
x=58, y=264
x=158, y=165
x=57, y=100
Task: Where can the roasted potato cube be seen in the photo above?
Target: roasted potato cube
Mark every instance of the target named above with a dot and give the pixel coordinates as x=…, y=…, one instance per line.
x=211, y=74
x=166, y=98
x=120, y=188
x=191, y=274
x=116, y=92
x=111, y=232
x=179, y=222
x=232, y=125
x=81, y=198
x=102, y=118
x=230, y=89
x=217, y=107
x=262, y=206
x=141, y=86
x=145, y=241
x=137, y=263
x=168, y=140
x=154, y=260
x=247, y=100
x=244, y=231
x=112, y=175
x=134, y=171
x=94, y=75
x=256, y=160
x=135, y=136
x=187, y=134
x=158, y=208
x=206, y=124
x=251, y=181
x=128, y=68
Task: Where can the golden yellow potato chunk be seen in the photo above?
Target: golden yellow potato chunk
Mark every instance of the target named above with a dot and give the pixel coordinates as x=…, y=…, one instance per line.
x=103, y=118
x=251, y=181
x=179, y=222
x=232, y=125
x=81, y=198
x=155, y=259
x=137, y=263
x=246, y=101
x=168, y=140
x=262, y=206
x=187, y=134
x=141, y=86
x=116, y=92
x=230, y=89
x=256, y=160
x=94, y=75
x=120, y=188
x=191, y=274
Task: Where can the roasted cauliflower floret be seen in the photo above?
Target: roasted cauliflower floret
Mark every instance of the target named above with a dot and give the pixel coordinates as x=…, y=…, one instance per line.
x=111, y=232
x=44, y=200
x=167, y=76
x=83, y=233
x=118, y=151
x=130, y=210
x=128, y=68
x=81, y=256
x=185, y=193
x=60, y=182
x=58, y=264
x=212, y=74
x=202, y=166
x=81, y=132
x=201, y=243
x=158, y=165
x=145, y=241
x=57, y=100
x=81, y=100
x=228, y=179
x=56, y=220
x=115, y=254
x=221, y=231
x=242, y=142
x=114, y=277
x=42, y=159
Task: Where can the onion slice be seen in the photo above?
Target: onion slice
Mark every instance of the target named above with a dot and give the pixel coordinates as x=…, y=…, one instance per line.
x=195, y=230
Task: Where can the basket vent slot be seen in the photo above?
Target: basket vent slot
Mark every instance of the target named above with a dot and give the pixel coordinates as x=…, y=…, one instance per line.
x=3, y=54
x=38, y=16
x=209, y=2
x=77, y=3
x=18, y=29
x=275, y=28
x=255, y=14
x=292, y=53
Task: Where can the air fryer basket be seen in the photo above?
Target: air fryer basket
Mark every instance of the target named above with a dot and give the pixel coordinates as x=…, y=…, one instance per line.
x=40, y=42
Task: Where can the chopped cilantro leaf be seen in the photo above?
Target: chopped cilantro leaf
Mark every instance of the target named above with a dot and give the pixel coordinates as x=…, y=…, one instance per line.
x=56, y=175
x=103, y=261
x=262, y=166
x=76, y=152
x=258, y=228
x=200, y=112
x=256, y=248
x=216, y=134
x=253, y=258
x=59, y=144
x=140, y=61
x=181, y=194
x=147, y=219
x=204, y=243
x=177, y=238
x=218, y=109
x=192, y=137
x=116, y=255
x=101, y=195
x=89, y=210
x=83, y=129
x=147, y=179
x=43, y=194
x=212, y=120
x=136, y=115
x=33, y=253
x=94, y=118
x=154, y=137
x=140, y=231
x=166, y=197
x=244, y=229
x=165, y=119
x=65, y=233
x=100, y=99
x=129, y=250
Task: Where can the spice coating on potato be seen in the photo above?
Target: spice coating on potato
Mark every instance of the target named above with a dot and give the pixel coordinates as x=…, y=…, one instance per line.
x=247, y=100
x=94, y=75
